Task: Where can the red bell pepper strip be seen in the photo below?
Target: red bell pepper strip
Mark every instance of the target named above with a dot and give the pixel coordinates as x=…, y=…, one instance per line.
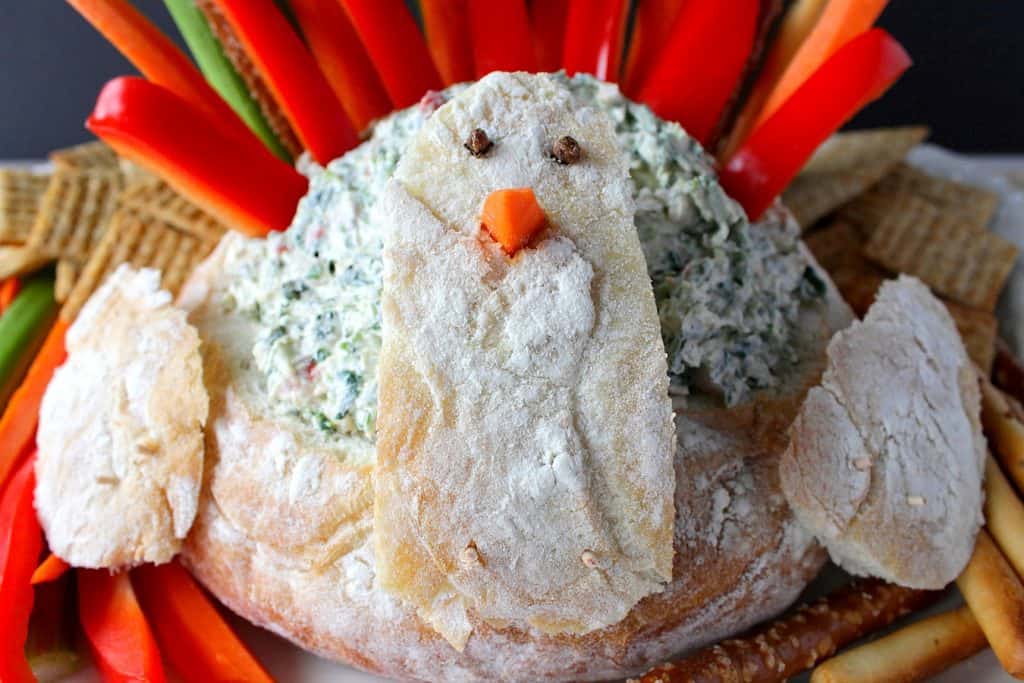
x=21, y=541
x=839, y=22
x=501, y=36
x=335, y=44
x=395, y=44
x=449, y=40
x=595, y=42
x=548, y=21
x=244, y=185
x=858, y=74
x=798, y=22
x=652, y=27
x=50, y=570
x=18, y=424
x=118, y=633
x=9, y=289
x=159, y=59
x=292, y=74
x=701, y=65
x=190, y=630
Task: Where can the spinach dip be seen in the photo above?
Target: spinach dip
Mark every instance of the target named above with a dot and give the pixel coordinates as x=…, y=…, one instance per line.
x=728, y=293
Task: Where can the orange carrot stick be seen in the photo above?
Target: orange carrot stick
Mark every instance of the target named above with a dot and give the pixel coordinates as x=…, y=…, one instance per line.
x=159, y=59
x=18, y=424
x=841, y=21
x=348, y=68
x=512, y=217
x=119, y=636
x=190, y=630
x=796, y=26
x=51, y=569
x=446, y=23
x=9, y=289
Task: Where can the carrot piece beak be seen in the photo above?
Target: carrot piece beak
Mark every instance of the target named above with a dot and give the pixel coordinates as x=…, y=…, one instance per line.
x=513, y=217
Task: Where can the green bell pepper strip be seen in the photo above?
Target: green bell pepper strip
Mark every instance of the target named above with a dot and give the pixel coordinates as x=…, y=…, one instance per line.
x=220, y=73
x=23, y=327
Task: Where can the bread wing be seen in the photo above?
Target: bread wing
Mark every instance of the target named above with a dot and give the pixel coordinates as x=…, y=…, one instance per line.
x=121, y=429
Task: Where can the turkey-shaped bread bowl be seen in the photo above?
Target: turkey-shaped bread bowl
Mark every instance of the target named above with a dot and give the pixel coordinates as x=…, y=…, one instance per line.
x=292, y=331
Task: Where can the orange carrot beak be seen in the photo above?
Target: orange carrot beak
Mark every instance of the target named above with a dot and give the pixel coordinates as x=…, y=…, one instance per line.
x=513, y=217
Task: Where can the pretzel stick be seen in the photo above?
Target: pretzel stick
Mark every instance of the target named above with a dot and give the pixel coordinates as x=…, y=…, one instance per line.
x=1004, y=430
x=996, y=597
x=914, y=653
x=791, y=645
x=1004, y=515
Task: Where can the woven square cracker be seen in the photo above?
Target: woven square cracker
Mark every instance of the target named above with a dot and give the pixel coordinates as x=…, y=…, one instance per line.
x=978, y=330
x=20, y=195
x=974, y=204
x=89, y=156
x=954, y=258
x=145, y=242
x=844, y=167
x=812, y=196
x=878, y=205
x=158, y=200
x=74, y=212
x=838, y=249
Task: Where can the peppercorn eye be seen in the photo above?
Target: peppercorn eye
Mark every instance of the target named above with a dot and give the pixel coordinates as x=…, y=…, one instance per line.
x=566, y=151
x=478, y=143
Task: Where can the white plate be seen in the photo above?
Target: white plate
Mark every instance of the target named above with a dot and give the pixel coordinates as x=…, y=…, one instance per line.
x=289, y=663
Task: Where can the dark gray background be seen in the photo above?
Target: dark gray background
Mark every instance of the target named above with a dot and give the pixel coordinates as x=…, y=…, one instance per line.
x=967, y=83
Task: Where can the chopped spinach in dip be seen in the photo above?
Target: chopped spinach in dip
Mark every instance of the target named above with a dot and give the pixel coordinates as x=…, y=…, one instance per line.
x=728, y=293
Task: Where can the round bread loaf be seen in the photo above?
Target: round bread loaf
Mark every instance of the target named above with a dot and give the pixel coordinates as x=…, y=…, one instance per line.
x=284, y=535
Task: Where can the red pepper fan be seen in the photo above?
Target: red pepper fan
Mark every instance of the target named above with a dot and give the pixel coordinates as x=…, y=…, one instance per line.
x=320, y=71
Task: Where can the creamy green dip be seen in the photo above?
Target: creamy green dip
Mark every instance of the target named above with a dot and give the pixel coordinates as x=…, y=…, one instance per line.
x=728, y=293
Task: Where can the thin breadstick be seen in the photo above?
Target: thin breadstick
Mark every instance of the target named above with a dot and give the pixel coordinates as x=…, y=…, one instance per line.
x=913, y=653
x=796, y=643
x=996, y=598
x=1005, y=432
x=1004, y=515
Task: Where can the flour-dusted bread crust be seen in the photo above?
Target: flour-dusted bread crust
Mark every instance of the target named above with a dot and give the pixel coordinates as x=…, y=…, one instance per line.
x=121, y=429
x=887, y=455
x=740, y=556
x=525, y=437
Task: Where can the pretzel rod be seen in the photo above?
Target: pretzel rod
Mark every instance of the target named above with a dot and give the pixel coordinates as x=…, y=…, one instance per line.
x=791, y=645
x=996, y=598
x=1004, y=515
x=1004, y=430
x=913, y=653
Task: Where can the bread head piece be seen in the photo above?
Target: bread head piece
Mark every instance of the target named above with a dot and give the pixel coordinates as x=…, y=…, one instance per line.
x=525, y=438
x=886, y=458
x=121, y=429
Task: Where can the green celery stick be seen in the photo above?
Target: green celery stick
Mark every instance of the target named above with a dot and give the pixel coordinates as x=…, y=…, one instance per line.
x=23, y=327
x=220, y=72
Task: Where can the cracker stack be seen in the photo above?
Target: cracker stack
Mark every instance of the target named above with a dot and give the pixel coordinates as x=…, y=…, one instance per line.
x=152, y=227
x=20, y=196
x=93, y=213
x=906, y=221
x=844, y=167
